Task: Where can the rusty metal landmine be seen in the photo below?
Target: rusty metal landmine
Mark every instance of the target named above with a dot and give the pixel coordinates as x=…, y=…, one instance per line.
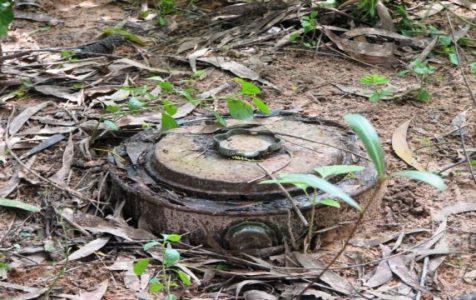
x=184, y=182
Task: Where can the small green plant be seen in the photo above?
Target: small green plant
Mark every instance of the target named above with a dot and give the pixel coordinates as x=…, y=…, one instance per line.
x=239, y=104
x=6, y=16
x=165, y=280
x=375, y=81
x=164, y=8
x=422, y=70
x=309, y=27
x=472, y=68
x=368, y=7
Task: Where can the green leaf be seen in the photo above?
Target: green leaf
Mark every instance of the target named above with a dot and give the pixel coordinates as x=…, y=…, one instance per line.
x=374, y=79
x=330, y=202
x=220, y=120
x=174, y=238
x=374, y=97
x=171, y=257
x=113, y=109
x=141, y=265
x=18, y=204
x=262, y=107
x=6, y=16
x=111, y=125
x=170, y=108
x=445, y=40
x=135, y=104
x=422, y=68
x=155, y=286
x=150, y=245
x=126, y=34
x=472, y=67
x=240, y=109
x=427, y=177
x=248, y=88
x=167, y=87
x=317, y=183
x=453, y=58
x=367, y=133
x=423, y=95
x=171, y=297
x=168, y=122
x=328, y=171
x=184, y=278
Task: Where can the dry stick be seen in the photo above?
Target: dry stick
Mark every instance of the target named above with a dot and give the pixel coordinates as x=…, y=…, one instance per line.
x=460, y=65
x=466, y=155
x=290, y=198
x=380, y=188
x=52, y=183
x=423, y=276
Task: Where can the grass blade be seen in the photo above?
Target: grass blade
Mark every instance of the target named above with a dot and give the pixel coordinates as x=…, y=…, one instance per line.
x=18, y=204
x=427, y=177
x=328, y=171
x=367, y=133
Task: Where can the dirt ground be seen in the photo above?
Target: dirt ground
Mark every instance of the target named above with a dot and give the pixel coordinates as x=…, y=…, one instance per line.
x=306, y=80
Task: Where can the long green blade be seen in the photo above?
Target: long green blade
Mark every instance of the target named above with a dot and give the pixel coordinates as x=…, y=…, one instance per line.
x=367, y=133
x=313, y=181
x=427, y=177
x=18, y=204
x=327, y=171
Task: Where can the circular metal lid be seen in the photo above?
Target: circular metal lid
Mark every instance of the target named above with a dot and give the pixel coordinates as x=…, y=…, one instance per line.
x=196, y=162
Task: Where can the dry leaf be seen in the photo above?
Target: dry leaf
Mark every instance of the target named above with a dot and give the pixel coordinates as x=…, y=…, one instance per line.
x=258, y=295
x=398, y=267
x=18, y=122
x=382, y=274
x=68, y=155
x=331, y=278
x=44, y=144
x=123, y=63
x=385, y=17
x=378, y=54
x=37, y=17
x=95, y=294
x=60, y=92
x=401, y=148
x=457, y=208
x=89, y=248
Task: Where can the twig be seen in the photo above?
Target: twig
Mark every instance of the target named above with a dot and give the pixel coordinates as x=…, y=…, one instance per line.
x=423, y=276
x=380, y=188
x=460, y=63
x=466, y=155
x=290, y=198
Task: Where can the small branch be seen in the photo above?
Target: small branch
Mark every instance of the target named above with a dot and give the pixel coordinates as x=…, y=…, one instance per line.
x=466, y=155
x=423, y=277
x=460, y=62
x=290, y=198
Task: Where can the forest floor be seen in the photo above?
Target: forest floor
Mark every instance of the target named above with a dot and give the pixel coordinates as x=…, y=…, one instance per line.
x=31, y=244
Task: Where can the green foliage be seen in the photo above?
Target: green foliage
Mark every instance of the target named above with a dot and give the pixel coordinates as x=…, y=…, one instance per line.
x=135, y=104
x=141, y=266
x=305, y=181
x=423, y=95
x=374, y=81
x=170, y=108
x=239, y=105
x=6, y=16
x=329, y=171
x=126, y=34
x=174, y=238
x=240, y=109
x=368, y=7
x=167, y=87
x=18, y=204
x=168, y=122
x=367, y=133
x=309, y=22
x=427, y=177
x=111, y=125
x=422, y=68
x=472, y=67
x=219, y=119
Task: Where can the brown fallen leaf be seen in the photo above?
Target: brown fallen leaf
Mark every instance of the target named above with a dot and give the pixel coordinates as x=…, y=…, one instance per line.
x=429, y=10
x=385, y=17
x=331, y=278
x=95, y=294
x=401, y=148
x=89, y=248
x=37, y=17
x=60, y=92
x=399, y=268
x=18, y=122
x=382, y=274
x=258, y=295
x=457, y=208
x=124, y=63
x=371, y=31
x=7, y=188
x=52, y=140
x=68, y=155
x=377, y=54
